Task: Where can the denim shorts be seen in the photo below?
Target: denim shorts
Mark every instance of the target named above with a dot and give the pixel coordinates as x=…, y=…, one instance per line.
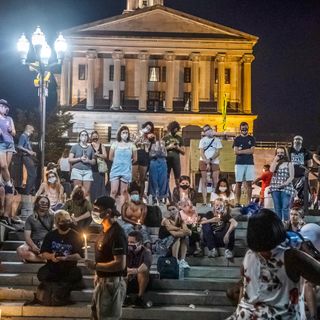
x=7, y=147
x=82, y=175
x=244, y=172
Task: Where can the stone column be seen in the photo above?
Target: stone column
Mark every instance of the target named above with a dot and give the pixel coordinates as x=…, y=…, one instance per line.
x=247, y=60
x=233, y=82
x=221, y=58
x=117, y=56
x=195, y=82
x=239, y=81
x=65, y=81
x=169, y=56
x=91, y=58
x=143, y=57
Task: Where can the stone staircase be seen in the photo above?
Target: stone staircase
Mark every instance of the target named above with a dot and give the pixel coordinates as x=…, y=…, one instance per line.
x=200, y=294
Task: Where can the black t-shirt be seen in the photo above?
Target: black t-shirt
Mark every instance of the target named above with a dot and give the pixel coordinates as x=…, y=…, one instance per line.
x=109, y=244
x=222, y=224
x=136, y=259
x=244, y=143
x=299, y=158
x=173, y=139
x=62, y=245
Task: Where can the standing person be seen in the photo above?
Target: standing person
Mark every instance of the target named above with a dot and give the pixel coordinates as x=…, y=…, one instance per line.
x=184, y=191
x=174, y=145
x=142, y=142
x=36, y=228
x=98, y=188
x=123, y=153
x=28, y=156
x=158, y=180
x=110, y=263
x=53, y=189
x=64, y=166
x=243, y=146
x=265, y=179
x=300, y=158
x=272, y=273
x=81, y=158
x=281, y=186
x=210, y=147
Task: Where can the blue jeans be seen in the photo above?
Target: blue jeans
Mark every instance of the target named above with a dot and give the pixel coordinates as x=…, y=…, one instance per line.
x=215, y=239
x=281, y=201
x=31, y=173
x=158, y=179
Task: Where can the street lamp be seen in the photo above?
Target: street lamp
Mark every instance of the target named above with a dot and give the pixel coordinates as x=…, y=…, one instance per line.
x=42, y=67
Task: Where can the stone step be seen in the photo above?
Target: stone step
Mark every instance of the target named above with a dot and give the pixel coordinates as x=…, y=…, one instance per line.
x=217, y=272
x=14, y=310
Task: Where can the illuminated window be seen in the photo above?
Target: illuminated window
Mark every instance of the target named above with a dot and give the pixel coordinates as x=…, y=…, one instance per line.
x=154, y=74
x=82, y=72
x=227, y=73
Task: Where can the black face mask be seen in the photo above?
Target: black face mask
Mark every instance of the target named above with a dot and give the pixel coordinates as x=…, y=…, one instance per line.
x=244, y=131
x=64, y=226
x=95, y=139
x=280, y=156
x=184, y=186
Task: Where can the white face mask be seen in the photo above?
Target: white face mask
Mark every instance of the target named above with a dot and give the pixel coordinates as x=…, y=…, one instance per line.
x=96, y=217
x=83, y=139
x=52, y=180
x=222, y=189
x=145, y=130
x=124, y=136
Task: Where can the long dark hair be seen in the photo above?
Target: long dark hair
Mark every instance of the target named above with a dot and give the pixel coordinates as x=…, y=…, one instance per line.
x=122, y=128
x=217, y=191
x=36, y=204
x=148, y=123
x=283, y=160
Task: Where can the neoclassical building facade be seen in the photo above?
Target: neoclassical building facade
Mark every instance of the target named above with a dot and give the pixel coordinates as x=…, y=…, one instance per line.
x=156, y=63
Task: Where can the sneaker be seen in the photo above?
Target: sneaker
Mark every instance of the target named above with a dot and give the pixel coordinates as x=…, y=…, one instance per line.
x=184, y=264
x=228, y=254
x=213, y=253
x=4, y=221
x=139, y=303
x=127, y=302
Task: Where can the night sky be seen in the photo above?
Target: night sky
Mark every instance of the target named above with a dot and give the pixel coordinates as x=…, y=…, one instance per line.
x=285, y=73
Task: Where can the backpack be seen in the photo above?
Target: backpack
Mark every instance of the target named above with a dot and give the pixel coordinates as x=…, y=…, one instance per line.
x=168, y=268
x=251, y=209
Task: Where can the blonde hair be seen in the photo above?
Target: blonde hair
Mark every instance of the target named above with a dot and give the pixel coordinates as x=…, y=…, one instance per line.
x=61, y=214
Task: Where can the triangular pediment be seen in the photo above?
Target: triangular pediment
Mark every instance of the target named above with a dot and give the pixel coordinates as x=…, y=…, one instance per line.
x=161, y=20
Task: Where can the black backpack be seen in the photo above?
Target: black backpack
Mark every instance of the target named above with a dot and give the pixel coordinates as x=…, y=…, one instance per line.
x=168, y=268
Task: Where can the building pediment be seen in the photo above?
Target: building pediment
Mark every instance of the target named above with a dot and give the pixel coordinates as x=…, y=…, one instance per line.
x=159, y=21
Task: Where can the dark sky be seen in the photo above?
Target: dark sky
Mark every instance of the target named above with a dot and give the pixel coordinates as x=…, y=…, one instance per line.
x=285, y=73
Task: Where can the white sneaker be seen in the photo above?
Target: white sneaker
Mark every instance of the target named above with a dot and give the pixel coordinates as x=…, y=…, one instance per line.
x=213, y=253
x=184, y=264
x=228, y=254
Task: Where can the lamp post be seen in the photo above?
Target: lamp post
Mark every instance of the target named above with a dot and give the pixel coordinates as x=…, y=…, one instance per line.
x=42, y=67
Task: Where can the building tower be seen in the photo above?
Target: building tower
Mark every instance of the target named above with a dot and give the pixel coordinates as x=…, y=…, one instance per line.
x=139, y=4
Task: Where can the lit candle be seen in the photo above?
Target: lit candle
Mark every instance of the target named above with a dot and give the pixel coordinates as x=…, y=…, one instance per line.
x=85, y=247
x=139, y=221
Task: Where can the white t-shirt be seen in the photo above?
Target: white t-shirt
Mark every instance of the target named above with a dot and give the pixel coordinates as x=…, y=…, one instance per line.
x=216, y=144
x=64, y=164
x=215, y=196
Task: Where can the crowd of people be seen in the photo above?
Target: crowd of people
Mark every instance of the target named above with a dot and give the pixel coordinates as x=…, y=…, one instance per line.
x=74, y=197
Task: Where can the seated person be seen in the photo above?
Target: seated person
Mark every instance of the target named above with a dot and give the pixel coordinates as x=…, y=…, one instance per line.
x=219, y=229
x=79, y=208
x=139, y=260
x=53, y=190
x=36, y=227
x=133, y=215
x=295, y=222
x=62, y=249
x=191, y=218
x=184, y=191
x=222, y=191
x=173, y=235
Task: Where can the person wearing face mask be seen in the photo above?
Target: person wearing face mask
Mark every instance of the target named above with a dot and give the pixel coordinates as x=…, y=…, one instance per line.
x=110, y=263
x=82, y=159
x=243, y=146
x=53, y=190
x=222, y=191
x=28, y=156
x=79, y=208
x=185, y=191
x=36, y=227
x=210, y=147
x=301, y=159
x=133, y=215
x=218, y=229
x=142, y=142
x=174, y=145
x=123, y=153
x=281, y=186
x=173, y=236
x=62, y=249
x=139, y=260
x=98, y=187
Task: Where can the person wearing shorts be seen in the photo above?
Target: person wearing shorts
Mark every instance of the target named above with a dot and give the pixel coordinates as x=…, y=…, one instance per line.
x=210, y=147
x=243, y=147
x=82, y=159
